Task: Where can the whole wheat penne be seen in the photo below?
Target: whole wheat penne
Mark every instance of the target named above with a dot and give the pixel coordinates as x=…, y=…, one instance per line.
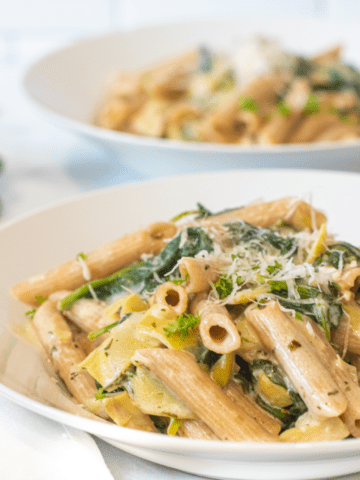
x=347, y=335
x=282, y=123
x=299, y=359
x=151, y=118
x=268, y=422
x=340, y=371
x=171, y=78
x=339, y=132
x=332, y=55
x=81, y=339
x=86, y=313
x=222, y=117
x=199, y=273
x=180, y=372
x=116, y=112
x=312, y=127
x=177, y=116
x=101, y=262
x=349, y=282
x=217, y=330
x=263, y=90
x=172, y=296
x=197, y=430
x=55, y=336
x=291, y=210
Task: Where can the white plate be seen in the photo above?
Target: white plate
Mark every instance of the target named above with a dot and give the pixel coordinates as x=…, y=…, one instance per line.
x=46, y=238
x=67, y=86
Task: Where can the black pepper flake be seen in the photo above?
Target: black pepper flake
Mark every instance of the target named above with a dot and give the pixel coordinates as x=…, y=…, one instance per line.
x=334, y=392
x=294, y=345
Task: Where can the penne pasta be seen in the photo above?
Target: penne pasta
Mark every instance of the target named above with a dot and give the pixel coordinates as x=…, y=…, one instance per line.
x=197, y=430
x=299, y=359
x=230, y=327
x=100, y=262
x=172, y=296
x=87, y=313
x=217, y=330
x=208, y=96
x=236, y=394
x=65, y=355
x=199, y=273
x=290, y=210
x=179, y=371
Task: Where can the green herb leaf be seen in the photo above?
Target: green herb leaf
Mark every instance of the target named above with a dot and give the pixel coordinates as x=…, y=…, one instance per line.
x=312, y=105
x=273, y=268
x=284, y=109
x=41, y=299
x=248, y=104
x=81, y=255
x=179, y=281
x=99, y=394
x=101, y=331
x=224, y=286
x=182, y=325
x=144, y=275
x=31, y=313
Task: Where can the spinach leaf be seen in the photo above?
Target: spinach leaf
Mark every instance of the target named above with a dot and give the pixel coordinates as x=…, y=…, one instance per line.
x=145, y=275
x=302, y=67
x=337, y=251
x=326, y=310
x=243, y=232
x=246, y=378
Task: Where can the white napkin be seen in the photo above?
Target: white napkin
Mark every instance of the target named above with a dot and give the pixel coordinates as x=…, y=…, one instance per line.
x=35, y=448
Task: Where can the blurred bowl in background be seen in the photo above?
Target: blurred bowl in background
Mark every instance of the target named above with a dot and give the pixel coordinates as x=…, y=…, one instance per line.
x=68, y=85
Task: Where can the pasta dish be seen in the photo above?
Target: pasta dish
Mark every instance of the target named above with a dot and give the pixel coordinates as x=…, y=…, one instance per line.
x=237, y=326
x=262, y=95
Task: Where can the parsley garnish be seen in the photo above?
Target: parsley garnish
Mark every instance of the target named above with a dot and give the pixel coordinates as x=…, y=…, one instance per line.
x=312, y=104
x=179, y=281
x=224, y=286
x=182, y=325
x=273, y=268
x=99, y=394
x=81, y=255
x=31, y=313
x=283, y=109
x=248, y=104
x=41, y=299
x=100, y=331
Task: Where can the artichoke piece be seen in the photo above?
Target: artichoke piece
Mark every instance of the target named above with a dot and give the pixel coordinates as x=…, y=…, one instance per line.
x=159, y=317
x=154, y=398
x=110, y=359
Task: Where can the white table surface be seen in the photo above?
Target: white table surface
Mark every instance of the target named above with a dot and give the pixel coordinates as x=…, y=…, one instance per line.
x=44, y=165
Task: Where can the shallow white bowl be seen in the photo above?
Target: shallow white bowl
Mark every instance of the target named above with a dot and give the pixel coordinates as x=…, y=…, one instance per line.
x=67, y=86
x=40, y=241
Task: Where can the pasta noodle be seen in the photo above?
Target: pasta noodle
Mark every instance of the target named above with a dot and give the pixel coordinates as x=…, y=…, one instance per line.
x=238, y=326
x=208, y=96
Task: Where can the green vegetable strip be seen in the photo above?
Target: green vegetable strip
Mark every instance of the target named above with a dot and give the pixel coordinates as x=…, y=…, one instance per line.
x=144, y=276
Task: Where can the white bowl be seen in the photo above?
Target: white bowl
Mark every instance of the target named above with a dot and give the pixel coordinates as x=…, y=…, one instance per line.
x=48, y=237
x=68, y=85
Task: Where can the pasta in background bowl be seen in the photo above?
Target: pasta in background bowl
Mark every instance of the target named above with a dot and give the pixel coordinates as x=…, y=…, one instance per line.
x=69, y=87
x=33, y=386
